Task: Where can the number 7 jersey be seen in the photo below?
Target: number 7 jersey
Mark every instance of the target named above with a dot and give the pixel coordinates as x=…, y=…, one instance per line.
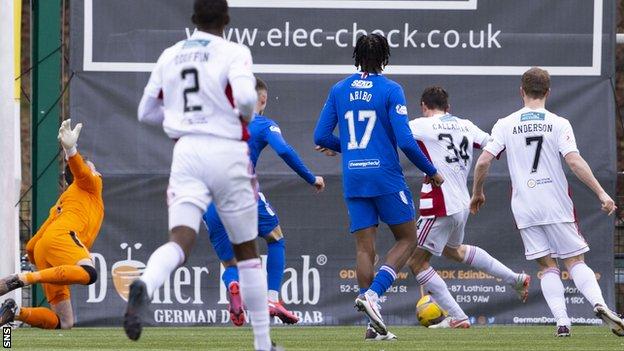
x=535, y=140
x=448, y=141
x=194, y=77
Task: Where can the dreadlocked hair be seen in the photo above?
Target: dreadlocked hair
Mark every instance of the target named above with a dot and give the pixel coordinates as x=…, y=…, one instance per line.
x=371, y=53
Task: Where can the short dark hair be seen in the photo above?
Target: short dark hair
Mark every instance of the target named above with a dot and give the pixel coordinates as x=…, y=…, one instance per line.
x=261, y=85
x=435, y=98
x=371, y=53
x=210, y=14
x=536, y=83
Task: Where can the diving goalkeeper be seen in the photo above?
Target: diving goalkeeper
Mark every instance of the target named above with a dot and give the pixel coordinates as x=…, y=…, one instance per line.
x=60, y=249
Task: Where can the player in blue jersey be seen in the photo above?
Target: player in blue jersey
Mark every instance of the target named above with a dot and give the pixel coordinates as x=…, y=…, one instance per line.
x=263, y=131
x=371, y=114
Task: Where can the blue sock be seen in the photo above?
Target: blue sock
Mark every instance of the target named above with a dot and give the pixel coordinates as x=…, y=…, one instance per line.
x=230, y=274
x=363, y=290
x=276, y=263
x=383, y=280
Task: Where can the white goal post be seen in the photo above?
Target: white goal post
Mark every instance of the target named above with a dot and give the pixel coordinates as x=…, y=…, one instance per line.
x=10, y=159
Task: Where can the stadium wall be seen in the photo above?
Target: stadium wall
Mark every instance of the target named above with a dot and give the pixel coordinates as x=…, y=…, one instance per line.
x=476, y=49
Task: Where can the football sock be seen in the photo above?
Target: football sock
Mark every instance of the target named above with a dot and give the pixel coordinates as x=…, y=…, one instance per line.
x=383, y=280
x=61, y=275
x=230, y=275
x=553, y=291
x=433, y=283
x=481, y=260
x=39, y=317
x=160, y=265
x=276, y=263
x=253, y=285
x=585, y=280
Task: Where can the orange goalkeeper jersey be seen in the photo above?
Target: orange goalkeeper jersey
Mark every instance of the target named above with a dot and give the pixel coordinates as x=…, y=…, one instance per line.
x=80, y=208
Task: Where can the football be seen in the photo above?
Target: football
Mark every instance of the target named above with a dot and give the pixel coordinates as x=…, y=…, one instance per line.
x=429, y=312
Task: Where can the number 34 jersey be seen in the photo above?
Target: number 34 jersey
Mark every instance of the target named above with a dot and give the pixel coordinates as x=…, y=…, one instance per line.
x=449, y=142
x=535, y=140
x=193, y=77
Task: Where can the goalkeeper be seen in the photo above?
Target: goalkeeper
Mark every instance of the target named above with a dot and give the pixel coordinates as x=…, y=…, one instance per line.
x=60, y=249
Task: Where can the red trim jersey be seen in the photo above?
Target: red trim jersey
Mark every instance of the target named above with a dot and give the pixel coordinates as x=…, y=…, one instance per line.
x=193, y=79
x=535, y=140
x=448, y=141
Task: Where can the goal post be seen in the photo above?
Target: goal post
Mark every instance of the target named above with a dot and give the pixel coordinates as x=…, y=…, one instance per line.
x=10, y=155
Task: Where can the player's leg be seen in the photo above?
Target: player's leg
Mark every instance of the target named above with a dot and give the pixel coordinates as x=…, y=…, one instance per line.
x=188, y=199
x=569, y=243
x=538, y=247
x=276, y=263
x=270, y=230
x=433, y=234
x=235, y=197
x=396, y=210
x=60, y=314
x=480, y=259
x=68, y=262
x=223, y=248
x=364, y=220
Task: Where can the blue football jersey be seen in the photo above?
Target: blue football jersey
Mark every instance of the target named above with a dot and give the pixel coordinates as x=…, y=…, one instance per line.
x=265, y=131
x=371, y=114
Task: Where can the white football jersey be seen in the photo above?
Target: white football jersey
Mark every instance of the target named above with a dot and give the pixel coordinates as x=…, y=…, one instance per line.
x=193, y=77
x=448, y=142
x=535, y=140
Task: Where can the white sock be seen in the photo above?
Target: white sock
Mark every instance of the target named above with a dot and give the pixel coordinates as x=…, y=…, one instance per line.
x=273, y=296
x=160, y=265
x=481, y=260
x=253, y=284
x=585, y=280
x=433, y=283
x=553, y=291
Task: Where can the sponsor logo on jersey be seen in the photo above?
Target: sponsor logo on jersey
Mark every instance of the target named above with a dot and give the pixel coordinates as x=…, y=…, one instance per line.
x=195, y=43
x=363, y=164
x=275, y=129
x=362, y=84
x=401, y=109
x=531, y=183
x=532, y=116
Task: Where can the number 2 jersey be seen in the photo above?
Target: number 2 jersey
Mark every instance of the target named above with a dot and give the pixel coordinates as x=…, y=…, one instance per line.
x=449, y=142
x=194, y=77
x=535, y=140
x=371, y=114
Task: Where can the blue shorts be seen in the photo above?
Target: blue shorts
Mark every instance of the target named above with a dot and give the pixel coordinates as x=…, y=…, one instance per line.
x=392, y=209
x=267, y=221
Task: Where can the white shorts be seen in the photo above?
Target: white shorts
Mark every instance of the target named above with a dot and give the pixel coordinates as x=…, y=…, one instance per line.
x=435, y=233
x=206, y=169
x=559, y=240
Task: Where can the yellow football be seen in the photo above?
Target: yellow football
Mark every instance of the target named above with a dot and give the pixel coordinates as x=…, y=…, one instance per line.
x=429, y=312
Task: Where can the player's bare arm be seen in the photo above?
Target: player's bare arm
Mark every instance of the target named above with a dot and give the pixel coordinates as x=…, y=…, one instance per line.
x=581, y=169
x=480, y=174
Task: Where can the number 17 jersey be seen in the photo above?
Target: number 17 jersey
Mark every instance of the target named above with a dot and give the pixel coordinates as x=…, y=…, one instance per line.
x=371, y=114
x=535, y=140
x=449, y=142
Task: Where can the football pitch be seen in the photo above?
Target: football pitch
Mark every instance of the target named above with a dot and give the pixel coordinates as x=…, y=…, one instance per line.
x=319, y=338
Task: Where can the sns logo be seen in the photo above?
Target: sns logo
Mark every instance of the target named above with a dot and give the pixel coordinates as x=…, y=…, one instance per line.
x=362, y=84
x=401, y=109
x=125, y=272
x=275, y=129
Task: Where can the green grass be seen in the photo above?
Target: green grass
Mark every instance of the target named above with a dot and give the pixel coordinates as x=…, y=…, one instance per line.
x=319, y=338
